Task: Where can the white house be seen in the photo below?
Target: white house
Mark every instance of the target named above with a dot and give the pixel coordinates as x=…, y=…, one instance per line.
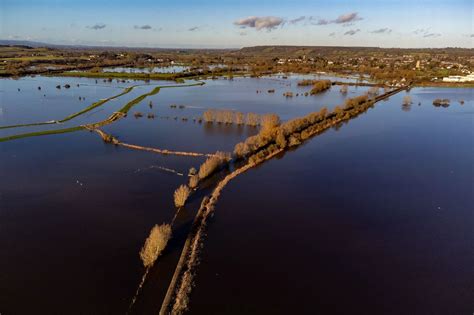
x=459, y=78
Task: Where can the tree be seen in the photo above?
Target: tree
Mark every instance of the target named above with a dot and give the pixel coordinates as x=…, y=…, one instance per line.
x=155, y=244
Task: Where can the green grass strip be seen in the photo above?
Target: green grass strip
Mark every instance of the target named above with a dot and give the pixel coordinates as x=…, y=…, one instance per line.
x=85, y=110
x=97, y=104
x=134, y=102
x=41, y=133
x=123, y=110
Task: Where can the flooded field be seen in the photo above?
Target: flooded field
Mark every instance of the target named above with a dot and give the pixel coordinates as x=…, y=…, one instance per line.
x=382, y=198
x=375, y=216
x=168, y=69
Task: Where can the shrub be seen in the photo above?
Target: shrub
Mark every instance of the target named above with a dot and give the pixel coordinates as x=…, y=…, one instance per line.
x=269, y=121
x=294, y=140
x=355, y=101
x=280, y=139
x=239, y=118
x=155, y=244
x=212, y=163
x=193, y=181
x=441, y=102
x=208, y=116
x=241, y=149
x=373, y=91
x=320, y=86
x=407, y=100
x=306, y=82
x=192, y=171
x=252, y=119
x=181, y=195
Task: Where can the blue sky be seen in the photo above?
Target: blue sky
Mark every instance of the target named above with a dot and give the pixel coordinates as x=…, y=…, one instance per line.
x=230, y=24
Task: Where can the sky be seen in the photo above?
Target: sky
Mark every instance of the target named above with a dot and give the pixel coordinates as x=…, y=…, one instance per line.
x=235, y=24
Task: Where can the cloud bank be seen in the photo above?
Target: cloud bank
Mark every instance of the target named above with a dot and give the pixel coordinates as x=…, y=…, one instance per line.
x=347, y=18
x=259, y=23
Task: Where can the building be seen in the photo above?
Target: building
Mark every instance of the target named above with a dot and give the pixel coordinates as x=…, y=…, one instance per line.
x=459, y=78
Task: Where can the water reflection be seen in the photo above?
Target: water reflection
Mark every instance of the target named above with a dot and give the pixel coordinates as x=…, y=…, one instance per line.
x=228, y=129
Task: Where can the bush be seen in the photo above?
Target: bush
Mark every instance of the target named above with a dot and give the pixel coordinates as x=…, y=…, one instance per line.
x=208, y=116
x=155, y=244
x=407, y=100
x=281, y=140
x=307, y=82
x=194, y=181
x=355, y=101
x=181, y=195
x=441, y=102
x=239, y=118
x=373, y=91
x=269, y=121
x=320, y=86
x=192, y=171
x=252, y=119
x=212, y=163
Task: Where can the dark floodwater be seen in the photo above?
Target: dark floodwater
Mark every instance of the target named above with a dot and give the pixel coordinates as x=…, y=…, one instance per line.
x=375, y=218
x=74, y=212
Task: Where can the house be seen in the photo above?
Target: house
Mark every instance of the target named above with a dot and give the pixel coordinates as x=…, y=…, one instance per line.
x=459, y=78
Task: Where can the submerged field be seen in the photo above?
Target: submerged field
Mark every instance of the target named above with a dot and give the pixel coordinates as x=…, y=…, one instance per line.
x=378, y=207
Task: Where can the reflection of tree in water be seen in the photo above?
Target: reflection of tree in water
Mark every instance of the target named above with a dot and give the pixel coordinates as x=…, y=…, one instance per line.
x=406, y=107
x=441, y=102
x=227, y=129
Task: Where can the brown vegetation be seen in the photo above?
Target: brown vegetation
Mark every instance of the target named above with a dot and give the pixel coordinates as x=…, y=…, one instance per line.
x=212, y=163
x=373, y=91
x=155, y=244
x=222, y=116
x=441, y=102
x=407, y=100
x=181, y=195
x=319, y=86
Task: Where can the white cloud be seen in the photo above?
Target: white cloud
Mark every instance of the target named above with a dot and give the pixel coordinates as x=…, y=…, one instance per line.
x=260, y=23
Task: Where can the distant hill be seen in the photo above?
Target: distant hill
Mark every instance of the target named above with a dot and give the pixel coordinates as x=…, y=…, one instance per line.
x=325, y=50
x=24, y=43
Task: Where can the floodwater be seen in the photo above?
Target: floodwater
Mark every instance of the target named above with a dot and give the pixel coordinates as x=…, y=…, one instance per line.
x=167, y=69
x=74, y=212
x=373, y=218
x=169, y=130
